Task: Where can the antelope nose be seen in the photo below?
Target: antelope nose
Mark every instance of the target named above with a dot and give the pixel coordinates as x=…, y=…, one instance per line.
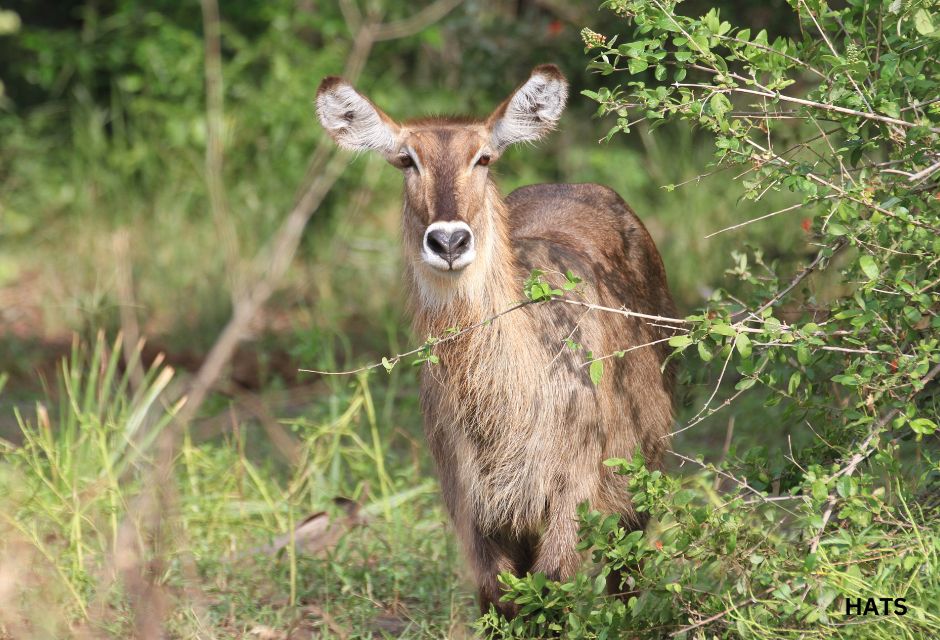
x=448, y=244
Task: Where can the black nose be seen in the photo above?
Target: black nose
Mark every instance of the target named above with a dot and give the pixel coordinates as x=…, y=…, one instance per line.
x=449, y=245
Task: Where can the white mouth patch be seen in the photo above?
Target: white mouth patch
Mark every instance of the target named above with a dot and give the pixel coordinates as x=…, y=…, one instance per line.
x=432, y=259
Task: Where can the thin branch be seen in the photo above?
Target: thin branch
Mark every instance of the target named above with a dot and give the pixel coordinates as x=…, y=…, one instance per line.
x=864, y=451
x=215, y=146
x=843, y=193
x=707, y=405
x=415, y=23
x=822, y=32
x=753, y=220
x=623, y=311
x=397, y=358
x=623, y=352
x=925, y=173
x=797, y=279
x=684, y=630
x=764, y=47
x=738, y=481
x=807, y=103
x=281, y=254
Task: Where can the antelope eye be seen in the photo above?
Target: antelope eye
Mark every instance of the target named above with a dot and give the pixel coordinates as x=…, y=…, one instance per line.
x=406, y=160
x=483, y=161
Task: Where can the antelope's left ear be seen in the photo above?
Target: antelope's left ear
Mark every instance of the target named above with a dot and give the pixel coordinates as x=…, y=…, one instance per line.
x=352, y=120
x=532, y=110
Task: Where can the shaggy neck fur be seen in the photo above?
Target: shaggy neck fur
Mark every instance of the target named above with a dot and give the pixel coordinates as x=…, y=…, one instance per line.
x=480, y=381
x=490, y=284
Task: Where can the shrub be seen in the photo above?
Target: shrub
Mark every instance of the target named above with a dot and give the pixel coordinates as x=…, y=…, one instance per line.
x=842, y=352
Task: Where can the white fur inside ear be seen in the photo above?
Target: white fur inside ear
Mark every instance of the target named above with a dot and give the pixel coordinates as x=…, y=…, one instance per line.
x=353, y=122
x=533, y=111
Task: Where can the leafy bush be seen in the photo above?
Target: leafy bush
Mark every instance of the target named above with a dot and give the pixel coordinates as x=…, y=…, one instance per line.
x=843, y=352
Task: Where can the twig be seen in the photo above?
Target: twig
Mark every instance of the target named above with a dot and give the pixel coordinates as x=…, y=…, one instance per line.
x=397, y=358
x=717, y=616
x=415, y=23
x=623, y=311
x=773, y=51
x=797, y=279
x=865, y=450
x=705, y=407
x=623, y=352
x=924, y=173
x=843, y=193
x=214, y=144
x=822, y=32
x=757, y=219
x=776, y=95
x=738, y=481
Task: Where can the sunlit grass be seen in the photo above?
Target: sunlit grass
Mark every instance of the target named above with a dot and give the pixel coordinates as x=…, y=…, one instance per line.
x=76, y=522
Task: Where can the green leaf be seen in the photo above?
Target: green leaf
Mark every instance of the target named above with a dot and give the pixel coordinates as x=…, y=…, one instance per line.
x=867, y=263
x=803, y=355
x=637, y=66
x=845, y=486
x=923, y=22
x=743, y=344
x=704, y=353
x=820, y=492
x=683, y=340
x=600, y=583
x=722, y=330
x=891, y=108
x=923, y=426
x=387, y=364
x=597, y=371
x=720, y=105
x=794, y=383
x=837, y=229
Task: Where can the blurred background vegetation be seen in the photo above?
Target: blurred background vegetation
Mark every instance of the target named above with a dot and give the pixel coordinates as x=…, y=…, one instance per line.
x=107, y=227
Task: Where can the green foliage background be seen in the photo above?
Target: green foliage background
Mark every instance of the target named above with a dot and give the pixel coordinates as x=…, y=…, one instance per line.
x=103, y=136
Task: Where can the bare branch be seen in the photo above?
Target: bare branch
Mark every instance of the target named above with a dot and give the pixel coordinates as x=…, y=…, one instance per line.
x=447, y=338
x=797, y=279
x=807, y=103
x=416, y=23
x=863, y=452
x=753, y=220
x=214, y=143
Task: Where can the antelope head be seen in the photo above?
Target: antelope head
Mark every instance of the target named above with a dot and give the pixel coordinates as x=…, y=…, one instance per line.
x=451, y=217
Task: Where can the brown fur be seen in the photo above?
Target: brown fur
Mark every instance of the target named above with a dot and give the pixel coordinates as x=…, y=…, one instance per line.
x=518, y=431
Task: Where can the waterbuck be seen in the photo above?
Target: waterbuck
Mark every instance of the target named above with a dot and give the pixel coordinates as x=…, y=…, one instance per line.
x=516, y=427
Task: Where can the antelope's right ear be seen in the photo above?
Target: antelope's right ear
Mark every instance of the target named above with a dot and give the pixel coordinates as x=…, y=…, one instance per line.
x=352, y=120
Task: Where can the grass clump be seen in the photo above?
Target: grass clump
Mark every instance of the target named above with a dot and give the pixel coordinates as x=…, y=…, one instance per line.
x=95, y=533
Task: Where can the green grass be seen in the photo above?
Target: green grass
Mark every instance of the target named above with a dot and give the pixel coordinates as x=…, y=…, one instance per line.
x=76, y=523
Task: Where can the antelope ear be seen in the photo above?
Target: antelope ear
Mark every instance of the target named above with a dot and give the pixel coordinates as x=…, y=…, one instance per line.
x=352, y=120
x=532, y=111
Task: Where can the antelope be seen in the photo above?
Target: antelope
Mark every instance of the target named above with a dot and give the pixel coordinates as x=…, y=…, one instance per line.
x=516, y=427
